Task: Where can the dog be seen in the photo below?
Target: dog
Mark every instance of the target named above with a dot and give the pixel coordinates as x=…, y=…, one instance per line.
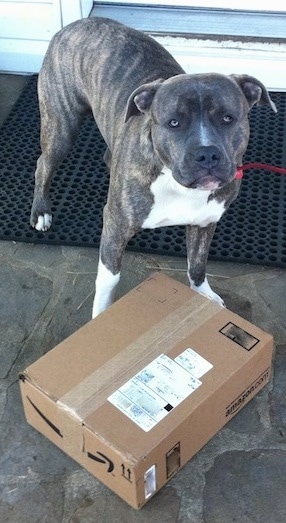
x=174, y=140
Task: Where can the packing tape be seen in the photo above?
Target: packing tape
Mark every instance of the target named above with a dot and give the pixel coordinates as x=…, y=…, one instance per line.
x=92, y=392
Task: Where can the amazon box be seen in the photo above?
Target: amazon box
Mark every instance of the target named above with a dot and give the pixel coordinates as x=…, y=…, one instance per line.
x=136, y=392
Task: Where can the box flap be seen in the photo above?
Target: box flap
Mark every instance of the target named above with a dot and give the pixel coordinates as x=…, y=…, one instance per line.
x=159, y=309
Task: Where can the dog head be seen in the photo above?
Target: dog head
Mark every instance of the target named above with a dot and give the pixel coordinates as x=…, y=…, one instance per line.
x=199, y=124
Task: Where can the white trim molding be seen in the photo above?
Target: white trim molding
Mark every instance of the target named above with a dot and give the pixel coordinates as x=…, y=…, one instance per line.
x=213, y=39
x=266, y=61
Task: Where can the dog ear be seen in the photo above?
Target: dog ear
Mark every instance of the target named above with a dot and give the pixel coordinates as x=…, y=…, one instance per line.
x=254, y=91
x=141, y=99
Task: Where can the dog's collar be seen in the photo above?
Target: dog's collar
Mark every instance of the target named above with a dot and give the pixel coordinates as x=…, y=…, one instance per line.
x=239, y=173
x=257, y=165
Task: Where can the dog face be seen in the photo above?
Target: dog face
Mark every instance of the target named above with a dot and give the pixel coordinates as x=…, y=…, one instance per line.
x=202, y=131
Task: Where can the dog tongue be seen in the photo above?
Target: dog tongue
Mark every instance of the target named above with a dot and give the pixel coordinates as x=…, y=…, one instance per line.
x=209, y=184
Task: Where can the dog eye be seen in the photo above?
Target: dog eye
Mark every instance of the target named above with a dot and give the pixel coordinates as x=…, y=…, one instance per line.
x=173, y=123
x=227, y=119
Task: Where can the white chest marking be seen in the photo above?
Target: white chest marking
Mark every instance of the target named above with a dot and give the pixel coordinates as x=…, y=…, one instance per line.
x=177, y=205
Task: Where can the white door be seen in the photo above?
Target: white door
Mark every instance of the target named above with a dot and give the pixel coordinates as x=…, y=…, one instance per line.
x=26, y=27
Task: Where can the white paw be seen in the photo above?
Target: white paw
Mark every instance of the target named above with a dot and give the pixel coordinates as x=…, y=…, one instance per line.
x=44, y=222
x=98, y=309
x=105, y=287
x=206, y=291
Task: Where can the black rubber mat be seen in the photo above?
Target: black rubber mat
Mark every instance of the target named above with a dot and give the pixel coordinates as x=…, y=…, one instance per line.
x=253, y=230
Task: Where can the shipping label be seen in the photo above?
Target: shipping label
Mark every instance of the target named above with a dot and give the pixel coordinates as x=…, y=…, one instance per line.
x=159, y=387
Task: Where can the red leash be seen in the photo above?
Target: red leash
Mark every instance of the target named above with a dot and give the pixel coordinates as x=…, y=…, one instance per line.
x=257, y=165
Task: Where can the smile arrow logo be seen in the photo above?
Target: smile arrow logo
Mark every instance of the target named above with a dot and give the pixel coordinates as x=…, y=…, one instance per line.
x=101, y=458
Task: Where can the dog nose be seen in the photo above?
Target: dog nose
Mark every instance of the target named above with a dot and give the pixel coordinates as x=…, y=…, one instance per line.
x=207, y=156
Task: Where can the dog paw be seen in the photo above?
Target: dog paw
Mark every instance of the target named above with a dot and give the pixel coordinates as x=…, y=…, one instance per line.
x=216, y=298
x=43, y=222
x=207, y=291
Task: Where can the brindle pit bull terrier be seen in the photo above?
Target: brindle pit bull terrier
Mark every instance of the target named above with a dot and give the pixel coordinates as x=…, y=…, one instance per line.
x=174, y=140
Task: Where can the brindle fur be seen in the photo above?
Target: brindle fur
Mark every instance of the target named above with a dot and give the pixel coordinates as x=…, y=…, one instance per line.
x=133, y=86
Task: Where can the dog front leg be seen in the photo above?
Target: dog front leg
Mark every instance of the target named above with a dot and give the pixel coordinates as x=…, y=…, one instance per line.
x=105, y=285
x=198, y=241
x=114, y=239
x=57, y=137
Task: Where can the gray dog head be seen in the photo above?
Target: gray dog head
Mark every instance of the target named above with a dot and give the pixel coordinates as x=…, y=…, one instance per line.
x=199, y=124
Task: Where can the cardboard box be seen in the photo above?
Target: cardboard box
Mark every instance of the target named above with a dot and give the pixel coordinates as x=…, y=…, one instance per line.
x=135, y=393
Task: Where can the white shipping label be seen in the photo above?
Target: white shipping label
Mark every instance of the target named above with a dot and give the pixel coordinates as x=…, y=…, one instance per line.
x=169, y=380
x=154, y=392
x=194, y=363
x=133, y=411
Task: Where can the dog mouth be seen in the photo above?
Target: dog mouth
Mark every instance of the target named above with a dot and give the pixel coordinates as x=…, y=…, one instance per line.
x=207, y=181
